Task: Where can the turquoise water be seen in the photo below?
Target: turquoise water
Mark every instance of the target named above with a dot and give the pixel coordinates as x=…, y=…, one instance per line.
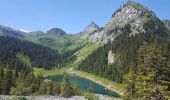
x=84, y=84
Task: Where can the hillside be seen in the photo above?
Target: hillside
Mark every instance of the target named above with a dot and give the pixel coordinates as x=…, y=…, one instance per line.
x=22, y=54
x=130, y=55
x=140, y=19
x=7, y=31
x=123, y=35
x=61, y=43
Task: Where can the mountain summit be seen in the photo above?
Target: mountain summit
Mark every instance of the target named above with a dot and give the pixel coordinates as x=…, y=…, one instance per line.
x=91, y=28
x=140, y=19
x=56, y=32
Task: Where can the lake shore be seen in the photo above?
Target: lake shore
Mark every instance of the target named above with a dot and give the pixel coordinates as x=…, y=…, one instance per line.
x=108, y=85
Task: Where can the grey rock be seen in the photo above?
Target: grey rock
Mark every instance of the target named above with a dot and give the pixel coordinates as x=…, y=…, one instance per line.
x=91, y=28
x=167, y=23
x=56, y=32
x=126, y=14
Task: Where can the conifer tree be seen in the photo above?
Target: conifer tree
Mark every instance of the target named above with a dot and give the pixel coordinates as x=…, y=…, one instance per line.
x=8, y=81
x=149, y=60
x=129, y=81
x=65, y=92
x=1, y=79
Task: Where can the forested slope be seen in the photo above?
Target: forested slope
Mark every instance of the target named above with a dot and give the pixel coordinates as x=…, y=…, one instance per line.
x=38, y=55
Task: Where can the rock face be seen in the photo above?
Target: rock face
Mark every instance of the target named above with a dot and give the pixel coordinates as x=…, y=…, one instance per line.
x=7, y=31
x=91, y=28
x=56, y=32
x=130, y=13
x=111, y=57
x=167, y=23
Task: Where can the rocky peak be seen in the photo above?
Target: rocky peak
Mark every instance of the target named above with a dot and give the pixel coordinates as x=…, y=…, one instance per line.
x=130, y=13
x=91, y=28
x=167, y=23
x=56, y=32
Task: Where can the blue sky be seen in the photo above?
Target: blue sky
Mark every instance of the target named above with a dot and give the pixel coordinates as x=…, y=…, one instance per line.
x=70, y=15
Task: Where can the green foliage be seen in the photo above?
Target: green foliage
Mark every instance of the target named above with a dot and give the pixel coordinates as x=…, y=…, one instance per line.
x=45, y=73
x=90, y=89
x=145, y=80
x=1, y=79
x=91, y=96
x=61, y=43
x=139, y=7
x=129, y=81
x=65, y=91
x=75, y=90
x=124, y=48
x=12, y=48
x=83, y=53
x=25, y=60
x=49, y=88
x=8, y=81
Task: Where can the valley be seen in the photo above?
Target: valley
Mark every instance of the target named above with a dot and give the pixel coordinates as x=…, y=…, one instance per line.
x=127, y=59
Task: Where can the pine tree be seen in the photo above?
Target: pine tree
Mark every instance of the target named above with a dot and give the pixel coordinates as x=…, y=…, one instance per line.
x=90, y=89
x=8, y=81
x=65, y=92
x=1, y=79
x=149, y=61
x=129, y=81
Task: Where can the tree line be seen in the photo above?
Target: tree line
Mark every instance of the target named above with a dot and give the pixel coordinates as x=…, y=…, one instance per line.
x=127, y=50
x=19, y=83
x=39, y=56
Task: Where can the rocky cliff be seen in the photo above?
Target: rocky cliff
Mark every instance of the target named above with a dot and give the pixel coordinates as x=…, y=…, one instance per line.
x=167, y=23
x=130, y=13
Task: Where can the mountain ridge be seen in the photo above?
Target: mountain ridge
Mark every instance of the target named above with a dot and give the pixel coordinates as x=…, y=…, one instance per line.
x=130, y=13
x=8, y=31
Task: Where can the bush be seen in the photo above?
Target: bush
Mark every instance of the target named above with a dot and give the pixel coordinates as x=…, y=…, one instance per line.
x=91, y=96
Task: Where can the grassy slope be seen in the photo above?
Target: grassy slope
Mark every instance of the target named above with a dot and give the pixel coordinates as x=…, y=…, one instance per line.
x=83, y=53
x=61, y=43
x=45, y=73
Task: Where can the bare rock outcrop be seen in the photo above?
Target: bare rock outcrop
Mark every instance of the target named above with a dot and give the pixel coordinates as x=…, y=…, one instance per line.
x=130, y=13
x=111, y=57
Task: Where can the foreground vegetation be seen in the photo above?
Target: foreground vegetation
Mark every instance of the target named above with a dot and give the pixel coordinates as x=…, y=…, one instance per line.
x=154, y=66
x=148, y=77
x=18, y=83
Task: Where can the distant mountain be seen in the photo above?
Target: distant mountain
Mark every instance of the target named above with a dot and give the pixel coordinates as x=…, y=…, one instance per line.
x=7, y=31
x=167, y=23
x=36, y=33
x=91, y=28
x=138, y=17
x=56, y=32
